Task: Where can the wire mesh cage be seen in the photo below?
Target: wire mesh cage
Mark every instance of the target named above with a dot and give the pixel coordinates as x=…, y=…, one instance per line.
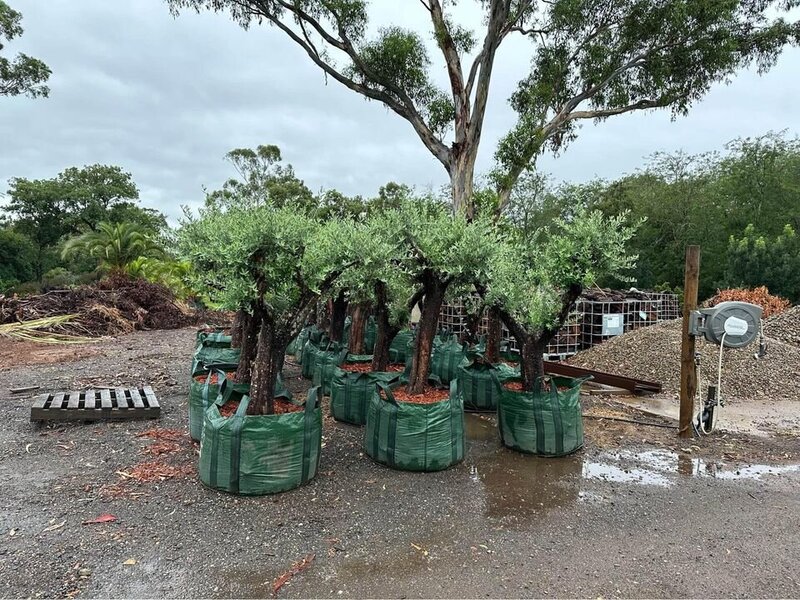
x=598, y=316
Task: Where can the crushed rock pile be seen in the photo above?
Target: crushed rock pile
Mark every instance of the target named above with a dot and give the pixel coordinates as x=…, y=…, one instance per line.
x=785, y=326
x=654, y=353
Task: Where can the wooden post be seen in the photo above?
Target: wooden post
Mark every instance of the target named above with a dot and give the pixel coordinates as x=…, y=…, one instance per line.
x=688, y=367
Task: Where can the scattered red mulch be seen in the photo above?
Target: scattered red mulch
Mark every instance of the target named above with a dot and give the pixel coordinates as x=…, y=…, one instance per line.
x=367, y=368
x=281, y=407
x=297, y=567
x=162, y=447
x=214, y=377
x=157, y=433
x=431, y=395
x=155, y=470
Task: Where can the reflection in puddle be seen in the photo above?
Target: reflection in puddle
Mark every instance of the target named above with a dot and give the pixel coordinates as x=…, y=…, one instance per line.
x=520, y=485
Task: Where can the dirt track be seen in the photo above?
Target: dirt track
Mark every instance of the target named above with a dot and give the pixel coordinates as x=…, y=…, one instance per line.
x=636, y=513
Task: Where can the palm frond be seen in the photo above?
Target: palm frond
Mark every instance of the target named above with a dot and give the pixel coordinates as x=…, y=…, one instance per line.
x=34, y=331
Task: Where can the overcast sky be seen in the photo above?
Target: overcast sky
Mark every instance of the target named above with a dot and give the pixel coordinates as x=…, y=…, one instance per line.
x=165, y=99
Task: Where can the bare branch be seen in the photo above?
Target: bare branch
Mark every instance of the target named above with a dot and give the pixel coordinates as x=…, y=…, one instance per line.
x=400, y=103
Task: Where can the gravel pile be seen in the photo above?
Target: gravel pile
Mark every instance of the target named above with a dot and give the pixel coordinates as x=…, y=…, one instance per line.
x=654, y=353
x=785, y=326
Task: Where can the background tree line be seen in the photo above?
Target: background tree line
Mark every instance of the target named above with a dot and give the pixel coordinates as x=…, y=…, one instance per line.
x=742, y=206
x=85, y=222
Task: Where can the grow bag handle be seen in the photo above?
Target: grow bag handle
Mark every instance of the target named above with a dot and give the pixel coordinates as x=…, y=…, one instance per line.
x=388, y=391
x=313, y=400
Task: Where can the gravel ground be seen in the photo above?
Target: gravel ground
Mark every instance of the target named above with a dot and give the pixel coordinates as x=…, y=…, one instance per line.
x=636, y=513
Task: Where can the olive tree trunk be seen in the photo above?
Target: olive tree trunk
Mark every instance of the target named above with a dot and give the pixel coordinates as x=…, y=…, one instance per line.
x=338, y=317
x=271, y=349
x=426, y=332
x=358, y=327
x=385, y=332
x=248, y=344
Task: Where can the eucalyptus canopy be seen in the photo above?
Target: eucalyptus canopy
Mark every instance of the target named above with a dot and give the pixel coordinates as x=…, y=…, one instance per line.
x=24, y=74
x=590, y=59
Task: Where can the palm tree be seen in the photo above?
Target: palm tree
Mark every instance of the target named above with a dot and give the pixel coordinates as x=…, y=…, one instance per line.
x=114, y=245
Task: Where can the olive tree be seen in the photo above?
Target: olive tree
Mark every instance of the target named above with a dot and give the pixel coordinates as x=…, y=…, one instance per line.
x=534, y=286
x=441, y=250
x=590, y=60
x=276, y=263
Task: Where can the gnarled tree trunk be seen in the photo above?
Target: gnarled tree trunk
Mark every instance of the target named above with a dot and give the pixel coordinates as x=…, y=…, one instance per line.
x=385, y=331
x=266, y=367
x=237, y=328
x=426, y=332
x=248, y=327
x=358, y=327
x=338, y=310
x=494, y=335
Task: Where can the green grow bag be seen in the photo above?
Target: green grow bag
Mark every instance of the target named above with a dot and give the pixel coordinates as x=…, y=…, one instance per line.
x=477, y=383
x=261, y=454
x=546, y=422
x=296, y=345
x=350, y=393
x=325, y=363
x=401, y=345
x=414, y=437
x=205, y=357
x=445, y=359
x=215, y=337
x=203, y=395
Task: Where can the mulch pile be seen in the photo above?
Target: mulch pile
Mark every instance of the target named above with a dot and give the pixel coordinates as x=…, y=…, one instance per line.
x=654, y=353
x=113, y=306
x=214, y=377
x=281, y=407
x=431, y=395
x=760, y=296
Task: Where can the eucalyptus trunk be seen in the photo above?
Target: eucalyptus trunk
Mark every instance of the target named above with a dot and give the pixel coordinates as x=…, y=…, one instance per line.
x=462, y=173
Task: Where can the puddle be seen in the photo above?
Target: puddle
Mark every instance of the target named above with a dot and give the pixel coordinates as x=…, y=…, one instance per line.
x=520, y=485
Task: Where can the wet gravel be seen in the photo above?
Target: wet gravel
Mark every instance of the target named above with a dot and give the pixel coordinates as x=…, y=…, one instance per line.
x=636, y=513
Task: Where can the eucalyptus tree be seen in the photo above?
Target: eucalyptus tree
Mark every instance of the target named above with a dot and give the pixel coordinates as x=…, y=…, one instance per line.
x=275, y=261
x=534, y=286
x=590, y=60
x=24, y=74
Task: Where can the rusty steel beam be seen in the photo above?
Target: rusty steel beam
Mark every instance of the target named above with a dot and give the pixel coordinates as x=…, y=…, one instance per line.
x=636, y=386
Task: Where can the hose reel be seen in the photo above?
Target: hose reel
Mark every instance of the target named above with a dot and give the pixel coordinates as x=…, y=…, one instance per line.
x=728, y=325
